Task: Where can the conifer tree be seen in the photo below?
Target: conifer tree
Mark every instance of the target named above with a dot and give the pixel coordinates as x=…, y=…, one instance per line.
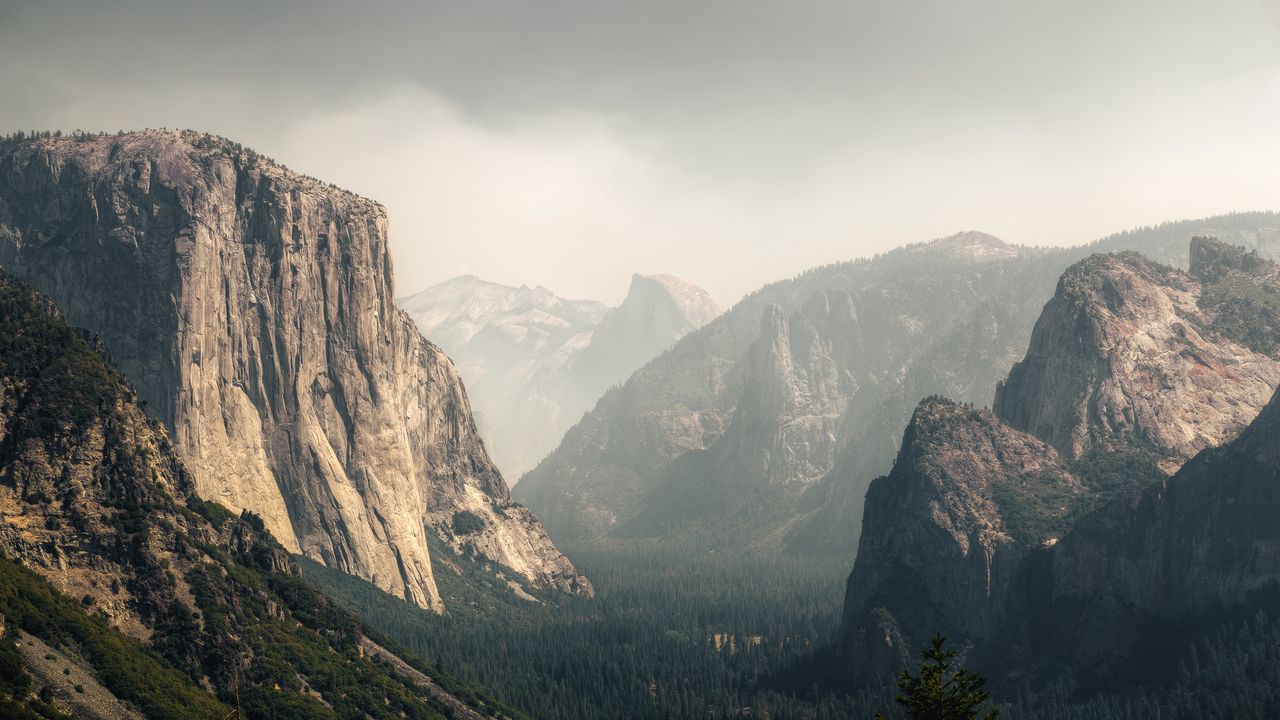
x=940, y=693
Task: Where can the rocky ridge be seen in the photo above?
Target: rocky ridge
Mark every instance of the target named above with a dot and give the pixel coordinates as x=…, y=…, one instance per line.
x=1125, y=352
x=253, y=309
x=787, y=405
x=965, y=536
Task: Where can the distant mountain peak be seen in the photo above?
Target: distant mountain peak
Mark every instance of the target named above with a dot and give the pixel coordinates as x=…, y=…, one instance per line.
x=691, y=302
x=534, y=362
x=975, y=244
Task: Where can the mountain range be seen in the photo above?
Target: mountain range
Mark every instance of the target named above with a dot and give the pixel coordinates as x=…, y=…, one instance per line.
x=208, y=394
x=763, y=429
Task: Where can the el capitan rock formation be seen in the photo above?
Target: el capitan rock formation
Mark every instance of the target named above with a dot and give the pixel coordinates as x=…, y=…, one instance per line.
x=253, y=309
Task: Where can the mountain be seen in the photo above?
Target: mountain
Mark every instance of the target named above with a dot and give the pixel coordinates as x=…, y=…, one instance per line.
x=535, y=362
x=948, y=534
x=1129, y=350
x=1193, y=550
x=1047, y=534
x=252, y=307
x=730, y=439
x=166, y=606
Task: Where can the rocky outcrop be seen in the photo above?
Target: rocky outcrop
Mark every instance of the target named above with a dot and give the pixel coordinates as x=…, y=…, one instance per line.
x=1126, y=352
x=534, y=362
x=253, y=309
x=782, y=439
x=95, y=500
x=947, y=537
x=1202, y=544
x=1032, y=555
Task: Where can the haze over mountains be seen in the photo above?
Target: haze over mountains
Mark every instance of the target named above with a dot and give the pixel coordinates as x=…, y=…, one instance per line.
x=535, y=362
x=166, y=605
x=764, y=428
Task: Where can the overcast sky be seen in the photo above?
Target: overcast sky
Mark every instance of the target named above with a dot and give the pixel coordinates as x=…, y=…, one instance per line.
x=570, y=144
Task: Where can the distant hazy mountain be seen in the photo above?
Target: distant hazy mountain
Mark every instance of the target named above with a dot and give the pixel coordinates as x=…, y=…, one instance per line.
x=765, y=427
x=534, y=362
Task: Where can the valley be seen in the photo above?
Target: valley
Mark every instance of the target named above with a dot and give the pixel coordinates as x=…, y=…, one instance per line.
x=249, y=483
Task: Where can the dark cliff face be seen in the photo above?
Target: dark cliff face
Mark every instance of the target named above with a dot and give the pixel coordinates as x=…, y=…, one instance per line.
x=1200, y=545
x=1128, y=351
x=253, y=308
x=1130, y=372
x=947, y=535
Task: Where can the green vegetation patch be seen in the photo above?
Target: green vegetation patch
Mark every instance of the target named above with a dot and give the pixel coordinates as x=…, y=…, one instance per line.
x=1245, y=309
x=126, y=667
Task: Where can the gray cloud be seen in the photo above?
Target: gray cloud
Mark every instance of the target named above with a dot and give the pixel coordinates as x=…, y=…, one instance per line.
x=571, y=143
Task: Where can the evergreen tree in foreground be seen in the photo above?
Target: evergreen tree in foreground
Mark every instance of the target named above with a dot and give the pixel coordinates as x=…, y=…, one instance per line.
x=939, y=693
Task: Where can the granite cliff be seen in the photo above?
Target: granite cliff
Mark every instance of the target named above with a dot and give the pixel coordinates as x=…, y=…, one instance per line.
x=1201, y=546
x=1047, y=534
x=253, y=309
x=948, y=535
x=167, y=606
x=1132, y=351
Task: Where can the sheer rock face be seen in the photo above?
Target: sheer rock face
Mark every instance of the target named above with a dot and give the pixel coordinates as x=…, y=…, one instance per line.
x=535, y=362
x=92, y=494
x=253, y=309
x=985, y=533
x=947, y=536
x=1125, y=352
x=1203, y=542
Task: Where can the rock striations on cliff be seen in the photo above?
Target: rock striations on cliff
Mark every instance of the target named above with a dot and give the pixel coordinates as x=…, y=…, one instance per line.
x=1048, y=531
x=535, y=362
x=167, y=605
x=1131, y=351
x=253, y=308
